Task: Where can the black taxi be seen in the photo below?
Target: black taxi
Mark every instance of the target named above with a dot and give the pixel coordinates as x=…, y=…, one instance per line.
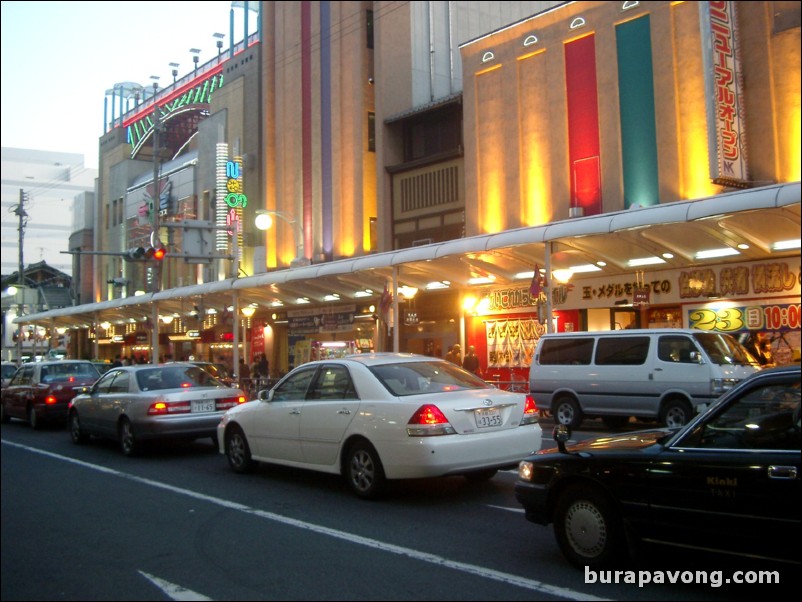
x=728, y=481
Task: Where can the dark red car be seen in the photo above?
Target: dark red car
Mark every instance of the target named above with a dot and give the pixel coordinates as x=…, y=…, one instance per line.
x=41, y=391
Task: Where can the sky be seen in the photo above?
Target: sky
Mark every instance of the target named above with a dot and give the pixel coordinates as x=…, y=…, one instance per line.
x=60, y=58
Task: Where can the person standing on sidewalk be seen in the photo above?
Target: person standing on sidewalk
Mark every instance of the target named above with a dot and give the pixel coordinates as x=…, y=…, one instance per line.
x=454, y=354
x=471, y=361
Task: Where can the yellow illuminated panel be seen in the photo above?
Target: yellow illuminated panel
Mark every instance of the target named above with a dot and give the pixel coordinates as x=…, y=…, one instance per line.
x=492, y=148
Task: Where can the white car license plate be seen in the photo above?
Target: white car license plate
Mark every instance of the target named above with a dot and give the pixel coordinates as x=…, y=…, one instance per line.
x=203, y=405
x=487, y=417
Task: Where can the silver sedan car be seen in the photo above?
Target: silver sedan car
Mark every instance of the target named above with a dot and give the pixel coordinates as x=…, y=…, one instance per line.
x=133, y=404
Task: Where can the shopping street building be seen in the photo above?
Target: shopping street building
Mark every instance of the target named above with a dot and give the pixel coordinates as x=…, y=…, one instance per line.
x=574, y=166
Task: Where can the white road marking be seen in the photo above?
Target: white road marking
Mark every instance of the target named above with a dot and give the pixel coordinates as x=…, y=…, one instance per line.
x=519, y=510
x=173, y=591
x=514, y=580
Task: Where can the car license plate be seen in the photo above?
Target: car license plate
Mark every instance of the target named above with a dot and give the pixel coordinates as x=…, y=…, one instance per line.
x=203, y=405
x=487, y=417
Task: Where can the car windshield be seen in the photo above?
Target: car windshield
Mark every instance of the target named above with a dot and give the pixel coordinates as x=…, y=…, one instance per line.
x=59, y=372
x=724, y=349
x=415, y=378
x=8, y=370
x=175, y=377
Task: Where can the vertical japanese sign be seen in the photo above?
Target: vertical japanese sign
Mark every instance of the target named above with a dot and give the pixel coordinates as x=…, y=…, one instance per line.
x=724, y=94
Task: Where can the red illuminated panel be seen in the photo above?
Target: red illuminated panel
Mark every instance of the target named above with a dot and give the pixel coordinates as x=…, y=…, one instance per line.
x=583, y=124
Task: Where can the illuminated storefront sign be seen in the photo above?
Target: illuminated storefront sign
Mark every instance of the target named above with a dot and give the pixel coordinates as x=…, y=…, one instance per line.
x=322, y=319
x=731, y=281
x=232, y=200
x=723, y=87
x=782, y=317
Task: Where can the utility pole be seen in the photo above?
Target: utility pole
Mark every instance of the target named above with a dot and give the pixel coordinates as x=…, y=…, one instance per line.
x=154, y=235
x=19, y=210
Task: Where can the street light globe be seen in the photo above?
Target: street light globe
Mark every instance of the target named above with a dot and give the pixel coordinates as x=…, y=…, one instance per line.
x=263, y=221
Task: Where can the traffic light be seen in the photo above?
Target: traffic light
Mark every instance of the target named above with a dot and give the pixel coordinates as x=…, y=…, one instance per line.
x=136, y=254
x=146, y=254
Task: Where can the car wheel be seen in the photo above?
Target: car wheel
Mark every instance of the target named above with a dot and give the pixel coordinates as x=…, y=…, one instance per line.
x=481, y=475
x=76, y=434
x=4, y=417
x=238, y=451
x=33, y=418
x=675, y=413
x=128, y=443
x=364, y=471
x=587, y=528
x=615, y=422
x=566, y=411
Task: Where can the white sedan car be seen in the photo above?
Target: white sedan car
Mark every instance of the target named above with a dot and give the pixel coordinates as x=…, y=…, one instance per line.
x=375, y=417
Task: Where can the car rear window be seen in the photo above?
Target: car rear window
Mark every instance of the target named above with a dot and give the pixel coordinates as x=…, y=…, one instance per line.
x=566, y=351
x=62, y=372
x=175, y=377
x=416, y=378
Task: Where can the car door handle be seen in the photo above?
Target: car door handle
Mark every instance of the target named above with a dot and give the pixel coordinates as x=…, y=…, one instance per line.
x=344, y=411
x=782, y=472
x=295, y=411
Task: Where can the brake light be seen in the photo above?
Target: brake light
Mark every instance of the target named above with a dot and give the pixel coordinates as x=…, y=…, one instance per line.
x=162, y=407
x=229, y=402
x=427, y=421
x=50, y=400
x=530, y=411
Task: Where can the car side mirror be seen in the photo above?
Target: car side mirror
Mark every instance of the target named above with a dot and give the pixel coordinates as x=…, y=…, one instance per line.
x=266, y=394
x=561, y=433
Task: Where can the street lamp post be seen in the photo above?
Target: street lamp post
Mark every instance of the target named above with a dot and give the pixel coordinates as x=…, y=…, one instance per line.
x=195, y=56
x=264, y=221
x=219, y=37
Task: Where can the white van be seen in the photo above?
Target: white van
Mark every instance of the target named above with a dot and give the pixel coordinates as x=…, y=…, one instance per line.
x=661, y=374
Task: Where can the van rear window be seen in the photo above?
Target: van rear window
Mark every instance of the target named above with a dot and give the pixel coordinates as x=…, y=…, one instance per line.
x=572, y=352
x=622, y=351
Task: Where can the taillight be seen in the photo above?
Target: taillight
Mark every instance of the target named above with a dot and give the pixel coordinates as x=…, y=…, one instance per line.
x=530, y=411
x=162, y=407
x=427, y=421
x=229, y=402
x=50, y=400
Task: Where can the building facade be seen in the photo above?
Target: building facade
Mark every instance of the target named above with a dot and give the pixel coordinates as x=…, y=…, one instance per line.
x=47, y=186
x=395, y=143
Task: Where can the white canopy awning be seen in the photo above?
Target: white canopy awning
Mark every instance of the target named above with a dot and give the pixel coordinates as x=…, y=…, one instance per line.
x=755, y=218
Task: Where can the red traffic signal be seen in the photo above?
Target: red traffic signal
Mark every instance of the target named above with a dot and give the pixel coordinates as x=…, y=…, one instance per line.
x=143, y=254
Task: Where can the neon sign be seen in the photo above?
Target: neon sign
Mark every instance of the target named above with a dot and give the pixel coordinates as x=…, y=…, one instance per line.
x=234, y=196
